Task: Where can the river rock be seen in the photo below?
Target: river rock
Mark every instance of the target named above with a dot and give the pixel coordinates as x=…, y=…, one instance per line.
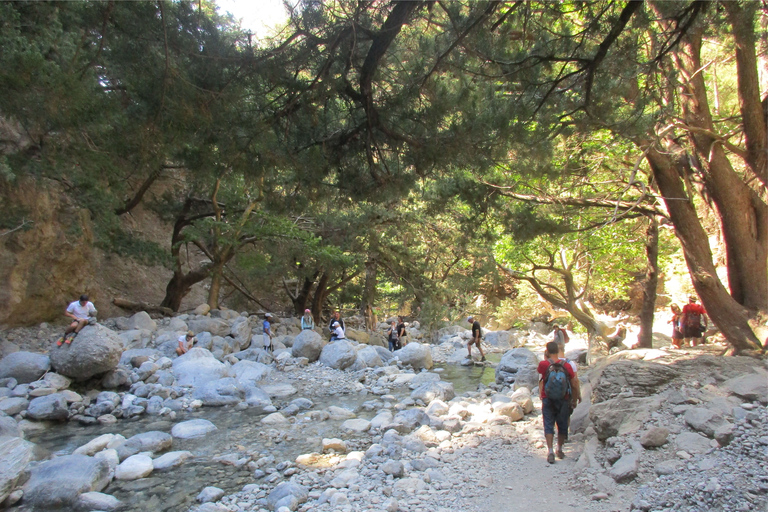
x=334, y=445
x=94, y=351
x=50, y=407
x=192, y=429
x=522, y=396
x=654, y=437
x=411, y=418
x=358, y=425
x=620, y=416
x=171, y=460
x=9, y=427
x=692, y=443
x=13, y=405
x=152, y=441
x=439, y=390
x=704, y=420
x=15, y=453
x=95, y=445
x=752, y=387
x=210, y=494
x=220, y=392
x=394, y=468
x=511, y=410
x=284, y=492
x=57, y=483
x=198, y=367
x=25, y=367
x=56, y=381
x=501, y=339
x=370, y=357
x=140, y=320
x=97, y=501
x=625, y=469
x=258, y=399
x=338, y=355
x=248, y=373
x=215, y=326
x=134, y=467
x=275, y=419
x=642, y=378
x=518, y=367
x=416, y=355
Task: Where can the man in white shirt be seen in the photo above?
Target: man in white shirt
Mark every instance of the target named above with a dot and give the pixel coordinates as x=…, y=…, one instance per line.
x=80, y=311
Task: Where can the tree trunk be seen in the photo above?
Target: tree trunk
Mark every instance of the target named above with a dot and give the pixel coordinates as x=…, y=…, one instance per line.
x=215, y=289
x=321, y=293
x=368, y=299
x=301, y=299
x=179, y=286
x=668, y=165
x=743, y=214
x=645, y=338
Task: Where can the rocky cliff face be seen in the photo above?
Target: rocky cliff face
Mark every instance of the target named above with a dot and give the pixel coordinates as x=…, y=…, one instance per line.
x=53, y=258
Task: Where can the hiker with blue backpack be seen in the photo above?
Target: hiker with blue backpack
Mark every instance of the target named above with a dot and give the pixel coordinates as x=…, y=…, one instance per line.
x=557, y=385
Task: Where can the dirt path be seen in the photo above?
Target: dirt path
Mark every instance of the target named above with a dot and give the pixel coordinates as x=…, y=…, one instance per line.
x=504, y=471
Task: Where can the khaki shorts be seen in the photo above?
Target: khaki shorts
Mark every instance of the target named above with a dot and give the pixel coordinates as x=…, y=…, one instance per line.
x=474, y=341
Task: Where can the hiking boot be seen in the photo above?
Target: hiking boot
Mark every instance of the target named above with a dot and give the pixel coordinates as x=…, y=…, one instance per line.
x=551, y=458
x=60, y=341
x=560, y=454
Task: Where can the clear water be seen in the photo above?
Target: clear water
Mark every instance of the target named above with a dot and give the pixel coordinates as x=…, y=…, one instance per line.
x=239, y=431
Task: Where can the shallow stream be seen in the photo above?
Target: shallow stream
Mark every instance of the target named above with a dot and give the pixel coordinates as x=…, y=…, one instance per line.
x=239, y=432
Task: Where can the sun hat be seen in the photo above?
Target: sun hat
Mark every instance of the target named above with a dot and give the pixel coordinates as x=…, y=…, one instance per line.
x=190, y=334
x=307, y=311
x=268, y=315
x=335, y=324
x=470, y=318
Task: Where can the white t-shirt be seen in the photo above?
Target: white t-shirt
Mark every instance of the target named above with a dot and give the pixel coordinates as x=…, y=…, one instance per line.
x=184, y=343
x=81, y=312
x=338, y=332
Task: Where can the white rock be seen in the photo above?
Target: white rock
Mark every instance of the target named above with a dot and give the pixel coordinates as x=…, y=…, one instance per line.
x=134, y=467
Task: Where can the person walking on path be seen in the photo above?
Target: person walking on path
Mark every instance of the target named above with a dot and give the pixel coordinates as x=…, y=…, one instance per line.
x=186, y=342
x=80, y=311
x=307, y=322
x=560, y=336
x=677, y=326
x=694, y=322
x=401, y=334
x=267, y=332
x=557, y=384
x=477, y=334
x=392, y=337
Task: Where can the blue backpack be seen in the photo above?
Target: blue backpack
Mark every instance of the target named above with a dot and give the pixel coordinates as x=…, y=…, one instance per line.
x=557, y=385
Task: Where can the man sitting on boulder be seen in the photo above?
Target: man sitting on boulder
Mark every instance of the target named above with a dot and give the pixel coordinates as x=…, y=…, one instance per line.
x=80, y=311
x=186, y=342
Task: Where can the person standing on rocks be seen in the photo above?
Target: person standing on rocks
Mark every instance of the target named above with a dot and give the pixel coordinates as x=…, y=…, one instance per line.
x=694, y=322
x=186, y=342
x=392, y=339
x=477, y=334
x=80, y=311
x=307, y=322
x=557, y=384
x=267, y=332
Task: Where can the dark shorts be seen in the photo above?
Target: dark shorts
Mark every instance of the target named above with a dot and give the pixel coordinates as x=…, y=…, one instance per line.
x=693, y=332
x=555, y=412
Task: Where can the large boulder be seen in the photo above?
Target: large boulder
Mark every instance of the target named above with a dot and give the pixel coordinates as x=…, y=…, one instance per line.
x=94, y=351
x=621, y=416
x=152, y=441
x=25, y=367
x=641, y=378
x=217, y=393
x=416, y=355
x=753, y=386
x=339, y=355
x=258, y=399
x=248, y=373
x=15, y=453
x=215, y=326
x=518, y=367
x=370, y=357
x=308, y=344
x=57, y=483
x=439, y=390
x=140, y=321
x=49, y=407
x=241, y=332
x=198, y=367
x=501, y=339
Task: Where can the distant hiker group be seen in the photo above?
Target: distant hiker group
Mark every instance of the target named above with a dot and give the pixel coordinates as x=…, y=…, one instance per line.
x=688, y=324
